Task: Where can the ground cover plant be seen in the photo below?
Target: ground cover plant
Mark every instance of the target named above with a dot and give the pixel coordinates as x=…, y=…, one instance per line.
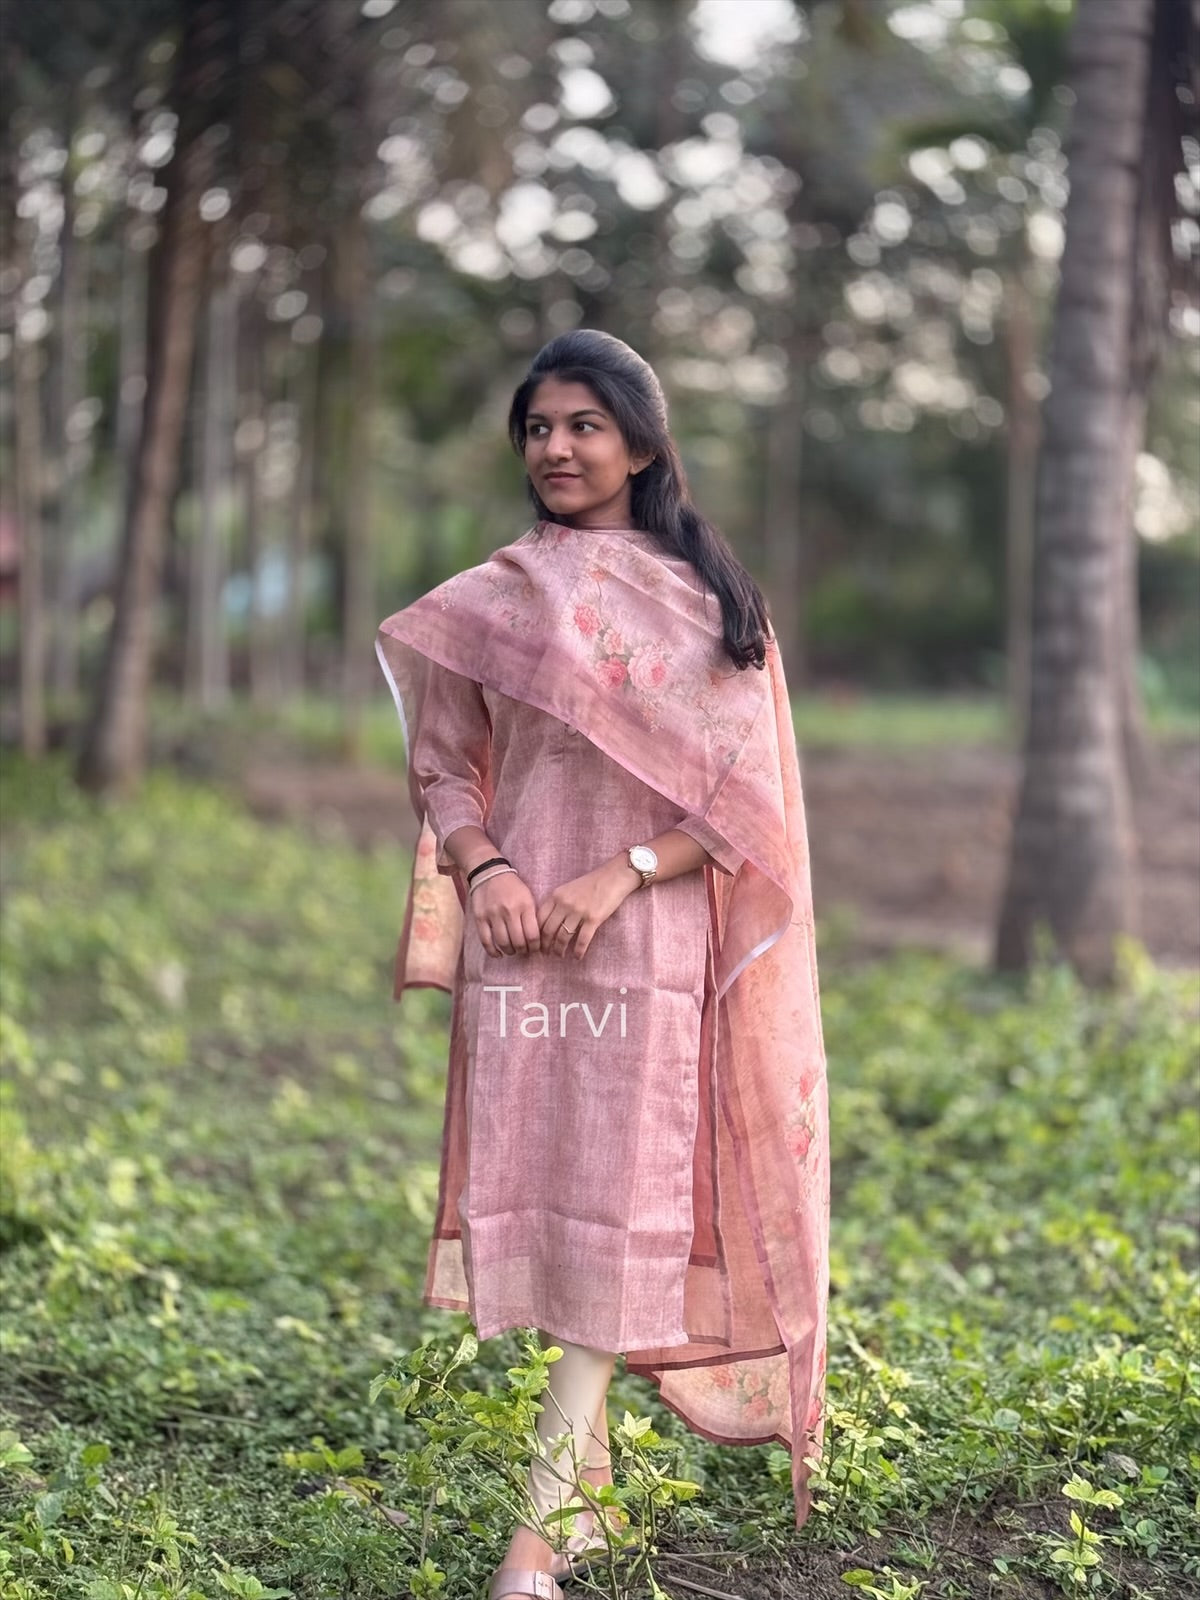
x=219, y=1170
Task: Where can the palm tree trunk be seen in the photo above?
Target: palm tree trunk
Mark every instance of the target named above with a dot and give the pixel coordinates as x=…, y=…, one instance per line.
x=1173, y=44
x=1021, y=467
x=1135, y=739
x=114, y=751
x=70, y=381
x=131, y=340
x=216, y=495
x=306, y=386
x=252, y=429
x=357, y=617
x=1072, y=862
x=27, y=440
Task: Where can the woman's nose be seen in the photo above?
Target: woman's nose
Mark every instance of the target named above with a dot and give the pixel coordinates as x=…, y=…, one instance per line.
x=559, y=446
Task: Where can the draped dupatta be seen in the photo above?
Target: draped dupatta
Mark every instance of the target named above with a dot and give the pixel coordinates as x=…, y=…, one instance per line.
x=599, y=630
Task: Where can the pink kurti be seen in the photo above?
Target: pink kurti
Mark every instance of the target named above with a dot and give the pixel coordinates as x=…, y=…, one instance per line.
x=635, y=1147
x=583, y=1085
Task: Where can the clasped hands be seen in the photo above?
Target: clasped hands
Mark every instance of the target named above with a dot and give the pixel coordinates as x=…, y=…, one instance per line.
x=510, y=923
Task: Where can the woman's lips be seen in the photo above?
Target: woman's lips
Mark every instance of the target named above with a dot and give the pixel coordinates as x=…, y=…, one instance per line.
x=561, y=477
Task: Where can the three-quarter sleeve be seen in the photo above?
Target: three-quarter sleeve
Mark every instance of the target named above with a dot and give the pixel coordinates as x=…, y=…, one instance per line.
x=449, y=761
x=724, y=857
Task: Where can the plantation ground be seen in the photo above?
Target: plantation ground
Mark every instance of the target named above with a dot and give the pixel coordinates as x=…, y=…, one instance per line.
x=909, y=847
x=220, y=1165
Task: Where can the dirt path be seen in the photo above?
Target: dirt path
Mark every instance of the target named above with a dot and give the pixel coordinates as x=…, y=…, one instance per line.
x=907, y=848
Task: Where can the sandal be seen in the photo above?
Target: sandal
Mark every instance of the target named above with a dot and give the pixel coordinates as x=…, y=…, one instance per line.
x=511, y=1582
x=584, y=1550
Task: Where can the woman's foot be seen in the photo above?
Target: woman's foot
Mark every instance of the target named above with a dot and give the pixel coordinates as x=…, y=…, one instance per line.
x=585, y=1522
x=528, y=1552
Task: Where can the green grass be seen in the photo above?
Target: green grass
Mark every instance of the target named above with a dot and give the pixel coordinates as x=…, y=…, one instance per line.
x=313, y=727
x=219, y=1172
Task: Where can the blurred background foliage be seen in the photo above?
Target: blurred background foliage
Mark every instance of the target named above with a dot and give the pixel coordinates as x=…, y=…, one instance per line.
x=834, y=228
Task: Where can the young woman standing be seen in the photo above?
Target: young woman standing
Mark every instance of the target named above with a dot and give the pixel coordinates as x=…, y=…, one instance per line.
x=612, y=880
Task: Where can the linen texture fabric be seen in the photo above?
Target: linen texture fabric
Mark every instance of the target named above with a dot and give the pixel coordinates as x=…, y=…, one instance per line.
x=635, y=1145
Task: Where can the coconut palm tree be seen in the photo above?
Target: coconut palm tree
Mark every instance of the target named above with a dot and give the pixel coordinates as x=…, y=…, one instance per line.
x=1072, y=861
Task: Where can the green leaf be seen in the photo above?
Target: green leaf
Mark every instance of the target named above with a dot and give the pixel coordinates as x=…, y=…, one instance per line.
x=381, y=1381
x=12, y=1452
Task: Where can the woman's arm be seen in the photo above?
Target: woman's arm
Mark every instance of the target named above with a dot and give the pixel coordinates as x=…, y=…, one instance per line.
x=678, y=852
x=468, y=846
x=720, y=854
x=575, y=910
x=449, y=765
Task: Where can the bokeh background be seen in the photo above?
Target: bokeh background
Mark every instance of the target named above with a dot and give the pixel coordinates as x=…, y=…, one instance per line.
x=274, y=270
x=919, y=278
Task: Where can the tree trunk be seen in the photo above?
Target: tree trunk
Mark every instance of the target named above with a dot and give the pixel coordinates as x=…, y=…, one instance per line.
x=306, y=383
x=783, y=540
x=1072, y=863
x=27, y=431
x=1021, y=466
x=1173, y=42
x=358, y=622
x=114, y=751
x=1135, y=741
x=70, y=381
x=251, y=433
x=131, y=353
x=211, y=554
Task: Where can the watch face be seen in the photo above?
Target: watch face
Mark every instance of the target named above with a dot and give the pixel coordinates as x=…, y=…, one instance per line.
x=643, y=858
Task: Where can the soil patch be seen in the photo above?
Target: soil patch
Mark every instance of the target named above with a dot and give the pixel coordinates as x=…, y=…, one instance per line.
x=908, y=848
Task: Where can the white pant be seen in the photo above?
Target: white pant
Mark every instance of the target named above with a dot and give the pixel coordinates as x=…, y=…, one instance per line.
x=573, y=1410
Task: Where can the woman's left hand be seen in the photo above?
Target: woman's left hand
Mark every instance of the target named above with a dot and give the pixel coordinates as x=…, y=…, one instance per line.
x=576, y=909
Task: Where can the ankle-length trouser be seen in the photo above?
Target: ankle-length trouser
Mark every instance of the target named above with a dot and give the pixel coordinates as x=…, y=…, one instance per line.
x=571, y=1429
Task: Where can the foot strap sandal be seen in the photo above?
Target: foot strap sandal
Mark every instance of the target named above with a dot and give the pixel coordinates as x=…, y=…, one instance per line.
x=537, y=1585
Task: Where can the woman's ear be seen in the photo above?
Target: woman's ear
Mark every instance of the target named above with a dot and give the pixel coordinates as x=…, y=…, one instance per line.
x=639, y=464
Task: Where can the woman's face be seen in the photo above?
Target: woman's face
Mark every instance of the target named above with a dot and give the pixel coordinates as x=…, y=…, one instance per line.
x=576, y=457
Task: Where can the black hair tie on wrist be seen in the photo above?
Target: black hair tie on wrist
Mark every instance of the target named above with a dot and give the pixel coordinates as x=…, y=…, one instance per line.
x=496, y=861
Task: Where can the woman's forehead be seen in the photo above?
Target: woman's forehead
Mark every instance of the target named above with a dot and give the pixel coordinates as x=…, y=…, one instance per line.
x=556, y=397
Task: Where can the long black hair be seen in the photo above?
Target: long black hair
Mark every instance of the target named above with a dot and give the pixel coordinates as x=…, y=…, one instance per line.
x=628, y=388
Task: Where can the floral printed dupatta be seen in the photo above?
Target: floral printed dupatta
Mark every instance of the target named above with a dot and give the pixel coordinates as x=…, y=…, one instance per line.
x=605, y=634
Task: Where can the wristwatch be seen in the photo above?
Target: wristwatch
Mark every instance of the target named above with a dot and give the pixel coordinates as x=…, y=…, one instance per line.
x=642, y=859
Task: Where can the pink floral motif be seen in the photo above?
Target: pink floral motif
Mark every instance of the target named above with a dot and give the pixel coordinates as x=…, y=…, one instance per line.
x=427, y=927
x=587, y=620
x=612, y=642
x=799, y=1141
x=611, y=671
x=648, y=667
x=426, y=846
x=757, y=1406
x=722, y=1377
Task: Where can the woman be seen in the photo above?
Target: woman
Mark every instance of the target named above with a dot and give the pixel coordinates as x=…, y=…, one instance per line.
x=612, y=880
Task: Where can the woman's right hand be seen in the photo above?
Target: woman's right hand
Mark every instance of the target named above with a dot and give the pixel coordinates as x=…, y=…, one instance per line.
x=506, y=916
